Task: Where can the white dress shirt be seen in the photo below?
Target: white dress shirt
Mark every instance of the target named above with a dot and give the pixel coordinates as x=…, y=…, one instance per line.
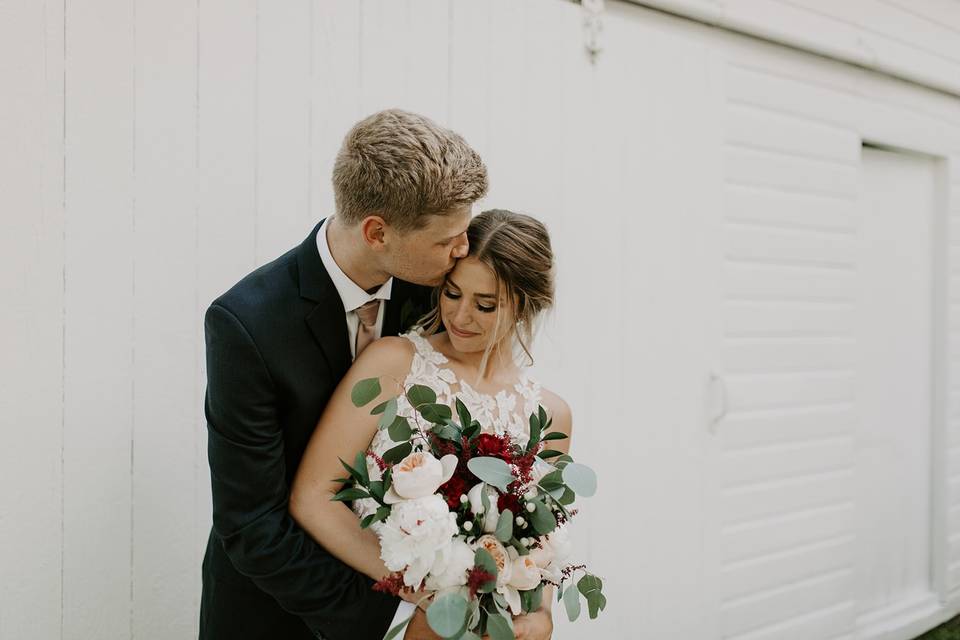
x=353, y=298
x=351, y=294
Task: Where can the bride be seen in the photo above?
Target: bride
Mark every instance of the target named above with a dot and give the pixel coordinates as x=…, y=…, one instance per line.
x=488, y=304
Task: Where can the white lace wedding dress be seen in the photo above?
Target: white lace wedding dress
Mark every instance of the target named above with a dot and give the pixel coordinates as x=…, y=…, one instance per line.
x=506, y=412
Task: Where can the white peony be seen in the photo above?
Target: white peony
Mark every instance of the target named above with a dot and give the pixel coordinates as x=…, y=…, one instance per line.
x=525, y=574
x=500, y=557
x=418, y=475
x=415, y=535
x=553, y=553
x=451, y=566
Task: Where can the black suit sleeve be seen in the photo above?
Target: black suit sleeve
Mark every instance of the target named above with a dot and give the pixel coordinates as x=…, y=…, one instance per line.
x=250, y=496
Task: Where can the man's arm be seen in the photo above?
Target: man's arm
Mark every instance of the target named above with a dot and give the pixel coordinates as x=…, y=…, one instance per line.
x=250, y=496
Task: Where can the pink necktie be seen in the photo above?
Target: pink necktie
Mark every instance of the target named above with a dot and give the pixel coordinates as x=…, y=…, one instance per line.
x=368, y=313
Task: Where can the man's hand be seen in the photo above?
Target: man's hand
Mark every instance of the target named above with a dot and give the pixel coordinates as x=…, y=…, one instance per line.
x=537, y=625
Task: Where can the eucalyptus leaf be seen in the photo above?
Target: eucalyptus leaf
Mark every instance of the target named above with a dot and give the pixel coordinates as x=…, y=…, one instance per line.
x=419, y=394
x=588, y=584
x=571, y=601
x=377, y=410
x=542, y=518
x=567, y=498
x=504, y=529
x=596, y=603
x=435, y=413
x=492, y=471
x=483, y=559
x=389, y=414
x=400, y=430
x=580, y=478
x=447, y=432
x=365, y=391
x=398, y=453
x=399, y=628
x=499, y=627
x=447, y=615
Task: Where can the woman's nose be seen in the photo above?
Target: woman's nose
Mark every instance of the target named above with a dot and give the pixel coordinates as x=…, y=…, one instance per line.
x=461, y=316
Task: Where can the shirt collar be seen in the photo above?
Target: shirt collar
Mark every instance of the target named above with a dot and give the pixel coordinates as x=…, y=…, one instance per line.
x=350, y=292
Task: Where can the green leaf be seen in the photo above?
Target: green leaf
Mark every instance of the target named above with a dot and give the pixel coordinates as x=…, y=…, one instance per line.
x=376, y=489
x=542, y=414
x=360, y=464
x=354, y=473
x=597, y=602
x=419, y=394
x=505, y=526
x=499, y=627
x=447, y=432
x=571, y=600
x=568, y=497
x=588, y=584
x=580, y=478
x=364, y=391
x=549, y=453
x=389, y=414
x=447, y=615
x=350, y=494
x=535, y=428
x=367, y=521
x=463, y=414
x=398, y=453
x=536, y=598
x=551, y=481
x=435, y=413
x=555, y=435
x=483, y=559
x=542, y=518
x=400, y=430
x=492, y=471
x=377, y=410
x=471, y=431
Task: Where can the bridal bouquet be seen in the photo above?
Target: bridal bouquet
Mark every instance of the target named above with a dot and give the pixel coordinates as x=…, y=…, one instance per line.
x=476, y=518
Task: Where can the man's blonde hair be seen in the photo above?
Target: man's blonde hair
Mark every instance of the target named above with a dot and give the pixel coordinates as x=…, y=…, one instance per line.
x=404, y=167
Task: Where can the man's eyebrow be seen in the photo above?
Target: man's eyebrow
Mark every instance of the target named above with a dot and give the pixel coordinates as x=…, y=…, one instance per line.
x=476, y=295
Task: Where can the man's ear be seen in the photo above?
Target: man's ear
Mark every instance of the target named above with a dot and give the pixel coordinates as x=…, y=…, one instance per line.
x=374, y=230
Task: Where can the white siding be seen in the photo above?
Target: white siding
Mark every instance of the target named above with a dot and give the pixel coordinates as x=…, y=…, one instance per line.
x=700, y=187
x=915, y=40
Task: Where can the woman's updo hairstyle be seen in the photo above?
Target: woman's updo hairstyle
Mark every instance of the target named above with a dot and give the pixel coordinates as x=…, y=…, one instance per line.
x=517, y=248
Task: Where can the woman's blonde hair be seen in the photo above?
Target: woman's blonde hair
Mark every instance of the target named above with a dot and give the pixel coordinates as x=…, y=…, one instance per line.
x=517, y=249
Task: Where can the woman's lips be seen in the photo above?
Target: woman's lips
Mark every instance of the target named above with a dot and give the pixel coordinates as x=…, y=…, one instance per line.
x=462, y=334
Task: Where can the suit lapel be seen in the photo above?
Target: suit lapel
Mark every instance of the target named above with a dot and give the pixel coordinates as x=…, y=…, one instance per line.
x=327, y=319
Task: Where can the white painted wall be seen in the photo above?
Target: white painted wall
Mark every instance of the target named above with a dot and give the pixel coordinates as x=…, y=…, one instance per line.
x=704, y=193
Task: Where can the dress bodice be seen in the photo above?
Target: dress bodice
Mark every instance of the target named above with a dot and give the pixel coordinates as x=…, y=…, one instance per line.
x=508, y=411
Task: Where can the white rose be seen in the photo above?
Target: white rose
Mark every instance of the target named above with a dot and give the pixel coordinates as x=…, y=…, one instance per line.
x=560, y=544
x=500, y=557
x=417, y=533
x=419, y=475
x=525, y=574
x=451, y=566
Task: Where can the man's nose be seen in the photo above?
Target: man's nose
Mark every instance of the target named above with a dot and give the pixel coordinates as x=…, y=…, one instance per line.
x=462, y=248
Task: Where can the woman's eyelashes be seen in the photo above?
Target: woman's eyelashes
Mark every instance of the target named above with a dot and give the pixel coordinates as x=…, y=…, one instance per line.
x=456, y=296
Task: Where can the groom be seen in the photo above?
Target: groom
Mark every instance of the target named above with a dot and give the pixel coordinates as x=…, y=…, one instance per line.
x=278, y=343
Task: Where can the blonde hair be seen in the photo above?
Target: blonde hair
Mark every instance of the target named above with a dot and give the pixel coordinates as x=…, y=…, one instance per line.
x=404, y=167
x=517, y=248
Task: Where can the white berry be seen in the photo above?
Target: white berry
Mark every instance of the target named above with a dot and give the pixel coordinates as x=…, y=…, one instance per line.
x=468, y=526
x=531, y=507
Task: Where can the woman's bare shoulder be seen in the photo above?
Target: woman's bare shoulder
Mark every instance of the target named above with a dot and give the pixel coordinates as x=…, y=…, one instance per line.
x=390, y=355
x=558, y=409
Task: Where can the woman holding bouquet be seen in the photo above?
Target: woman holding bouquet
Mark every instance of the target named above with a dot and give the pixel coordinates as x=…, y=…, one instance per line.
x=488, y=305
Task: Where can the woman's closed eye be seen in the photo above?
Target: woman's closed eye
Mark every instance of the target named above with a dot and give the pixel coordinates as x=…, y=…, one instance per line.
x=456, y=296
